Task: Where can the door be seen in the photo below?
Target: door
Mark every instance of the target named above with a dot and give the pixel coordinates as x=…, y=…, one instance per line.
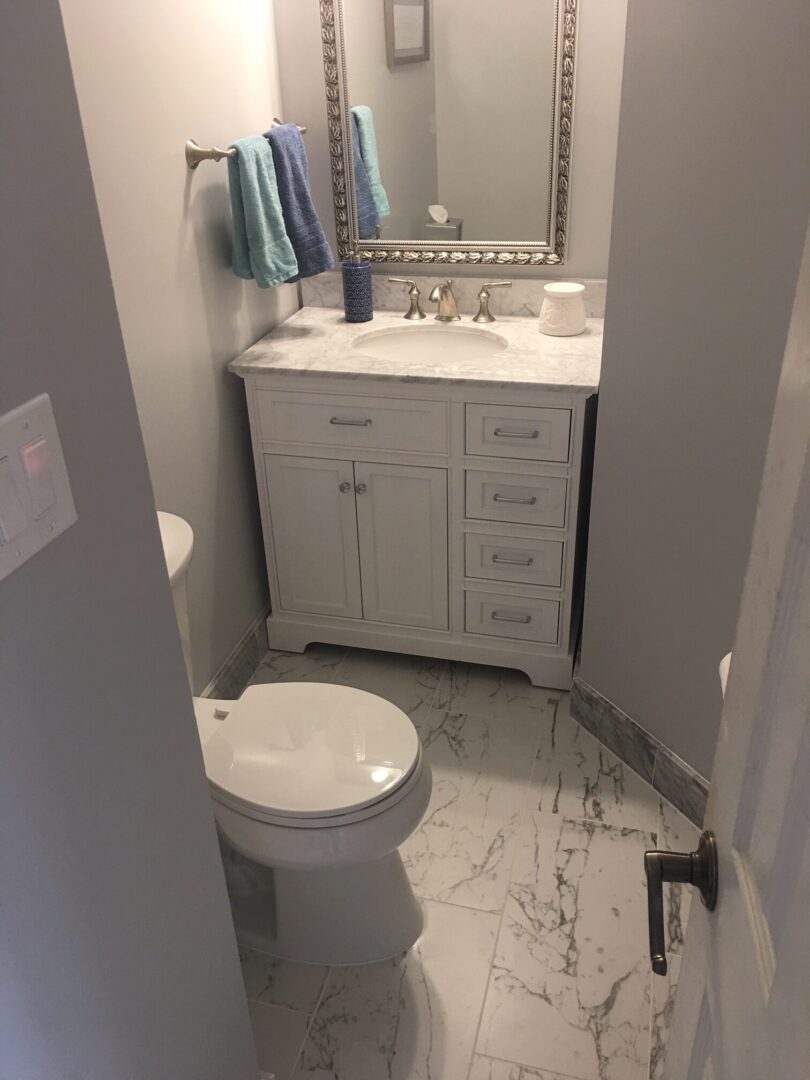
x=743, y=1004
x=314, y=535
x=402, y=525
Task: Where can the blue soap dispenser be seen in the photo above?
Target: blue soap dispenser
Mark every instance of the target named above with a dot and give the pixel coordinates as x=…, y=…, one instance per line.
x=358, y=300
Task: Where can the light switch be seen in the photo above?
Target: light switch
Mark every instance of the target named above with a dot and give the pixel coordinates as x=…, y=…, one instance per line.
x=36, y=503
x=12, y=512
x=36, y=463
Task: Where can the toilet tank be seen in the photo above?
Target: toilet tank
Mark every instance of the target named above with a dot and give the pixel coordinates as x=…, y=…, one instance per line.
x=178, y=544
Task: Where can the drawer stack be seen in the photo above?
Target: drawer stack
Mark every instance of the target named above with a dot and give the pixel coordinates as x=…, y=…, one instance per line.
x=521, y=482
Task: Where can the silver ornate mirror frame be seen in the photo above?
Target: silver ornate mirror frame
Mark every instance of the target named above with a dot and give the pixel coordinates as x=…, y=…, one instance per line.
x=550, y=252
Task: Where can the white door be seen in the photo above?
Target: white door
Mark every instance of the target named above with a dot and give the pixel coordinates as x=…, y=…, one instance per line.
x=402, y=524
x=743, y=1004
x=314, y=535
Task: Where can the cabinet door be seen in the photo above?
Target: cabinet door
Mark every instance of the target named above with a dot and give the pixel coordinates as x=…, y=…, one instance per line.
x=314, y=535
x=402, y=525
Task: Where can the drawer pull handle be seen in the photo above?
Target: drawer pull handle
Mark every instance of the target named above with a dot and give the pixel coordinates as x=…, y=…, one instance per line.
x=505, y=560
x=349, y=423
x=501, y=434
x=504, y=616
x=526, y=500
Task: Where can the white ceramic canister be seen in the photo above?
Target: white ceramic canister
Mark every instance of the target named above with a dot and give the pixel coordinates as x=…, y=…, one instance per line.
x=563, y=310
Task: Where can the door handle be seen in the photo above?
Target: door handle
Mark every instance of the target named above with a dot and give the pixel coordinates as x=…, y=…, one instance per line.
x=349, y=423
x=698, y=868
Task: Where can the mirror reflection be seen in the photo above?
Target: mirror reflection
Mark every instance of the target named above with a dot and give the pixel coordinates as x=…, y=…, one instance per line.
x=452, y=118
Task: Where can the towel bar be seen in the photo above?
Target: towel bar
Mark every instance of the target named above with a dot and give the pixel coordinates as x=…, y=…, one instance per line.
x=195, y=154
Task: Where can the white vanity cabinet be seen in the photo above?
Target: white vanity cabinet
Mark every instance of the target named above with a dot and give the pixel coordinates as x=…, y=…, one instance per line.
x=359, y=539
x=430, y=517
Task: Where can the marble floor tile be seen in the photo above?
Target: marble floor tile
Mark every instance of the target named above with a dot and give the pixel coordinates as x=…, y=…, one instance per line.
x=281, y=982
x=279, y=1035
x=569, y=990
x=489, y=691
x=318, y=664
x=413, y=1018
x=663, y=1008
x=676, y=833
x=410, y=682
x=484, y=1068
x=579, y=778
x=463, y=850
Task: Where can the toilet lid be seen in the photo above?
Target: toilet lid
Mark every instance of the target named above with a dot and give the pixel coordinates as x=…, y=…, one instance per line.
x=310, y=749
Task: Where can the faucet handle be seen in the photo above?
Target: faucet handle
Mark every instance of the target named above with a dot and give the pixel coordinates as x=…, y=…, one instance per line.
x=415, y=310
x=484, y=315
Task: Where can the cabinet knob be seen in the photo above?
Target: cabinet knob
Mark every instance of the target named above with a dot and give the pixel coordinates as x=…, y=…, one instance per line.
x=361, y=489
x=345, y=487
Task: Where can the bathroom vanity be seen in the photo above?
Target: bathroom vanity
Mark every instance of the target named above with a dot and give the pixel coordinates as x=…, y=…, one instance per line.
x=423, y=489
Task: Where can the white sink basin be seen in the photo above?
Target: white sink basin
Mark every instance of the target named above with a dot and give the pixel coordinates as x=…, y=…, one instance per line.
x=430, y=344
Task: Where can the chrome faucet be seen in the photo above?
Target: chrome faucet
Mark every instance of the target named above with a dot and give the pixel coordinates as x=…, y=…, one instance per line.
x=484, y=314
x=415, y=311
x=442, y=295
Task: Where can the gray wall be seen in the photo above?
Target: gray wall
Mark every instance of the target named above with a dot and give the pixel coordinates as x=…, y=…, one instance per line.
x=148, y=76
x=117, y=955
x=711, y=203
x=600, y=45
x=404, y=106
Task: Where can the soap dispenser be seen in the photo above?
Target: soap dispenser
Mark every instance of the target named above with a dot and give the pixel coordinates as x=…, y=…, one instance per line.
x=358, y=299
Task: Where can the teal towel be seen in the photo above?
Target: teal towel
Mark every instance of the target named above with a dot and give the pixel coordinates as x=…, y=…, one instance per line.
x=368, y=152
x=261, y=247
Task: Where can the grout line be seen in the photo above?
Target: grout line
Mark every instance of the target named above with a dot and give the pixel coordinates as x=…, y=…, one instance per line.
x=534, y=1068
x=311, y=1021
x=521, y=817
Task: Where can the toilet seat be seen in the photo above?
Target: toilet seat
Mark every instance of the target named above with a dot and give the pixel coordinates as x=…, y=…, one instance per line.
x=309, y=755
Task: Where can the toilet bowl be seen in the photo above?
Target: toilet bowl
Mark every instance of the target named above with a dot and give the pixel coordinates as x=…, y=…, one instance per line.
x=321, y=783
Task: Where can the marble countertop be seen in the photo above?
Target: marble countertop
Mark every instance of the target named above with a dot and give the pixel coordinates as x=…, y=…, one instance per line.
x=318, y=341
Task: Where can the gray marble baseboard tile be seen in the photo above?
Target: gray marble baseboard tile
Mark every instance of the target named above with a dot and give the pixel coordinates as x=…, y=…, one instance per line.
x=238, y=669
x=678, y=782
x=671, y=777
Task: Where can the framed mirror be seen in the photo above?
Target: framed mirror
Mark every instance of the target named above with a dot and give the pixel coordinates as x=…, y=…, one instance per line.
x=450, y=128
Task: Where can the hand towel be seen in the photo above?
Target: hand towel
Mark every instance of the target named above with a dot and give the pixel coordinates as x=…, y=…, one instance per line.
x=368, y=151
x=368, y=219
x=261, y=247
x=312, y=251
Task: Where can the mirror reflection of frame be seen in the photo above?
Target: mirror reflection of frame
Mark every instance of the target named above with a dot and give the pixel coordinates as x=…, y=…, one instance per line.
x=499, y=110
x=407, y=31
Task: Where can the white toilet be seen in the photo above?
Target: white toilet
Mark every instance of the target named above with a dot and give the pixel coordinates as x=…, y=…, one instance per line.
x=321, y=783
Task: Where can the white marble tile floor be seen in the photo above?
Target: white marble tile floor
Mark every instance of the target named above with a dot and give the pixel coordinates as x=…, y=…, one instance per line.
x=533, y=964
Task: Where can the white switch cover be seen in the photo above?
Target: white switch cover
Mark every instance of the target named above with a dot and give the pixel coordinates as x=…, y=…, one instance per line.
x=36, y=503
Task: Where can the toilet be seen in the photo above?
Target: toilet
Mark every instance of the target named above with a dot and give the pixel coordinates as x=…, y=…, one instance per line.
x=322, y=784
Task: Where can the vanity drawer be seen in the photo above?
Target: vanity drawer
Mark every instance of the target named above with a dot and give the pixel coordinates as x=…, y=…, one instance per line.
x=518, y=432
x=497, y=615
x=527, y=500
x=514, y=558
x=344, y=420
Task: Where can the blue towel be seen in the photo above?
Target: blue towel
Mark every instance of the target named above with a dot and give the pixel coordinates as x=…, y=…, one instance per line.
x=312, y=251
x=368, y=220
x=261, y=247
x=368, y=151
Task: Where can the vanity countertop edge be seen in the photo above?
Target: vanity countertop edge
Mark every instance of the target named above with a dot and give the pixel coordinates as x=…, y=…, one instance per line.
x=318, y=341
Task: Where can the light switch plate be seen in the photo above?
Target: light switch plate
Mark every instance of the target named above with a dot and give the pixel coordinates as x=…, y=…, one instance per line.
x=36, y=503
